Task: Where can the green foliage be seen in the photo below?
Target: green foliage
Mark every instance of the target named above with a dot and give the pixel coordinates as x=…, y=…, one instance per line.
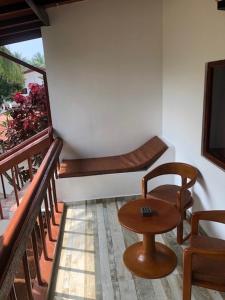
x=38, y=60
x=11, y=77
x=19, y=56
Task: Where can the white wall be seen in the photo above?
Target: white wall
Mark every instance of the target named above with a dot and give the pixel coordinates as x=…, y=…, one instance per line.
x=193, y=34
x=104, y=66
x=32, y=77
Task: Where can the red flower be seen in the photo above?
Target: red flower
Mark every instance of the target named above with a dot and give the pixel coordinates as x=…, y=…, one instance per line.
x=28, y=117
x=19, y=98
x=34, y=88
x=26, y=124
x=11, y=123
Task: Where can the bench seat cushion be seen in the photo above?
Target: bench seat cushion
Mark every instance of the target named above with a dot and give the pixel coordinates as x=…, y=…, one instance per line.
x=137, y=160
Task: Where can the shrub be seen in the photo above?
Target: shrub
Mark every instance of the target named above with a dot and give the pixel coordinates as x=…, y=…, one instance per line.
x=28, y=117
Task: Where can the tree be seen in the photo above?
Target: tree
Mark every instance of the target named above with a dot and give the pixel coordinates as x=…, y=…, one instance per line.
x=11, y=77
x=19, y=56
x=38, y=60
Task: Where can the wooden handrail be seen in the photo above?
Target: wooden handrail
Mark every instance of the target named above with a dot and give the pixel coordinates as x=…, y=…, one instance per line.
x=22, y=63
x=14, y=240
x=17, y=162
x=37, y=146
x=48, y=131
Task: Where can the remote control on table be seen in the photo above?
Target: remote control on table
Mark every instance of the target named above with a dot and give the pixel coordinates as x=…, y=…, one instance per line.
x=146, y=211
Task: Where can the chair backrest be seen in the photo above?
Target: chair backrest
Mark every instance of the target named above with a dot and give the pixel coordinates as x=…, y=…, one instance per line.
x=184, y=170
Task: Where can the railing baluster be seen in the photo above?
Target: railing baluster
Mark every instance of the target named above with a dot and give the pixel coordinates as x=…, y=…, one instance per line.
x=20, y=176
x=13, y=293
x=15, y=187
x=30, y=168
x=1, y=212
x=57, y=170
x=42, y=232
x=51, y=204
x=36, y=258
x=4, y=194
x=54, y=194
x=17, y=176
x=27, y=276
x=47, y=216
x=30, y=222
x=3, y=186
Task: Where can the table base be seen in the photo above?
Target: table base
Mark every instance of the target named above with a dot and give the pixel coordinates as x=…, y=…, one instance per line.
x=157, y=264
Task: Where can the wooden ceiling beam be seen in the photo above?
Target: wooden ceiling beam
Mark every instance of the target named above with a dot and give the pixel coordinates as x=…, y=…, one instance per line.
x=15, y=14
x=10, y=23
x=19, y=37
x=13, y=7
x=21, y=19
x=19, y=29
x=39, y=12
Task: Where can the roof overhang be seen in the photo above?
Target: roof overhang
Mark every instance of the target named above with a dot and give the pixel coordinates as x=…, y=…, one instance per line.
x=22, y=19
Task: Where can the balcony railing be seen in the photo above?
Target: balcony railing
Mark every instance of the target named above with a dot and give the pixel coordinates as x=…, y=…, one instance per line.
x=16, y=165
x=27, y=247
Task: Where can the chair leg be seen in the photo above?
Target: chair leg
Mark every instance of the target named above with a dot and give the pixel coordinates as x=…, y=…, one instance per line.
x=180, y=232
x=187, y=275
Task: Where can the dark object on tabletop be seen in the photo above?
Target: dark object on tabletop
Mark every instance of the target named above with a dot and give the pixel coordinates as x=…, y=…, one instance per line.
x=146, y=211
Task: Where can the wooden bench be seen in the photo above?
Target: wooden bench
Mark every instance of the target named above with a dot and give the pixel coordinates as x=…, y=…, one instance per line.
x=137, y=160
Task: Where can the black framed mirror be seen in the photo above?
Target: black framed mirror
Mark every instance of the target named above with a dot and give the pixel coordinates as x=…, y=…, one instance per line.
x=213, y=143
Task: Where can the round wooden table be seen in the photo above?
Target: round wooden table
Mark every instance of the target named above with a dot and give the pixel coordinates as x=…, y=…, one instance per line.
x=149, y=259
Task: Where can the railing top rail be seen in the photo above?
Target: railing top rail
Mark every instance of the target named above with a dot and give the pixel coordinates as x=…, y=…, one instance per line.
x=35, y=147
x=21, y=62
x=47, y=131
x=14, y=240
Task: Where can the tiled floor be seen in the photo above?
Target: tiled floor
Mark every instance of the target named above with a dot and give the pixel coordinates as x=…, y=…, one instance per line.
x=90, y=264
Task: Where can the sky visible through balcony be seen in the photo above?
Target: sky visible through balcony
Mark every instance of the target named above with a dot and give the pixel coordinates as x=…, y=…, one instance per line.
x=28, y=48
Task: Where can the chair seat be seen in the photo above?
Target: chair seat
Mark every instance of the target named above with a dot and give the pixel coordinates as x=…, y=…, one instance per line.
x=208, y=269
x=168, y=193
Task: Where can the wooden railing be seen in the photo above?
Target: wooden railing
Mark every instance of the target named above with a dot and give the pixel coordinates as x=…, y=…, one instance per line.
x=22, y=155
x=35, y=226
x=46, y=132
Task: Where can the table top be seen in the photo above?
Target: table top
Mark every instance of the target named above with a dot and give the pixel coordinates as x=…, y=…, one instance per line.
x=164, y=216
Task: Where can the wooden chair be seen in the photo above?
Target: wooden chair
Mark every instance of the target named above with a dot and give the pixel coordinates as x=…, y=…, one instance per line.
x=179, y=196
x=204, y=260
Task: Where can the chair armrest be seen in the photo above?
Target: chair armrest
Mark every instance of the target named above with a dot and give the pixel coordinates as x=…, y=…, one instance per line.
x=182, y=189
x=146, y=178
x=189, y=184
x=211, y=215
x=151, y=174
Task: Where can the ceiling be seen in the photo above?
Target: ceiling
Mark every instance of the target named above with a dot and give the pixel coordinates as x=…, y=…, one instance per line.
x=22, y=19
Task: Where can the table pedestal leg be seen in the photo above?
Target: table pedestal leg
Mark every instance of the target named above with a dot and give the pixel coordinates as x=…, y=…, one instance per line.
x=149, y=259
x=148, y=244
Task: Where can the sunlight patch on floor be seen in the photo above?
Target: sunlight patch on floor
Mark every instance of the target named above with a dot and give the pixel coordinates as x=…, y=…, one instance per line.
x=76, y=268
